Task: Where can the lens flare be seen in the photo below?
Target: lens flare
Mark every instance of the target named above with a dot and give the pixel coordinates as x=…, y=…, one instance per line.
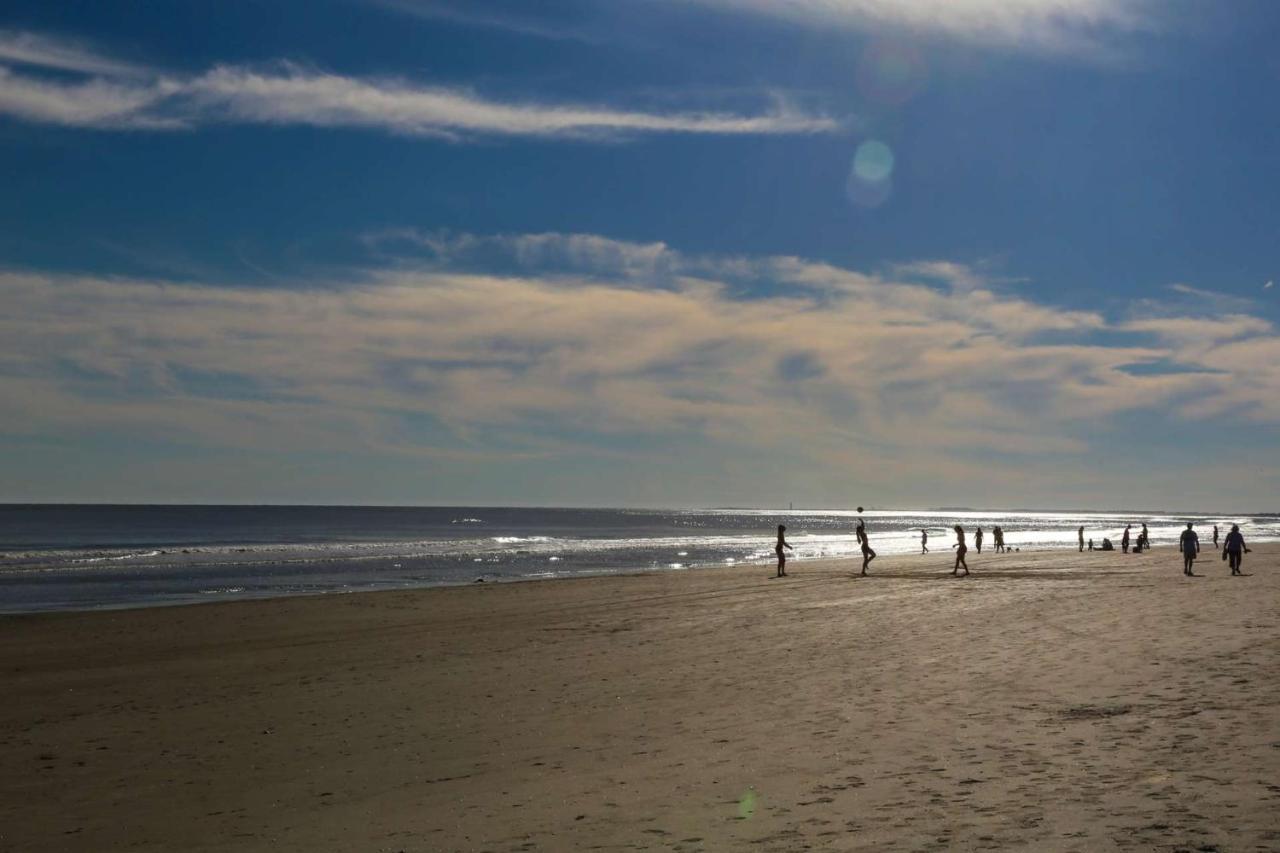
x=747, y=804
x=870, y=178
x=891, y=73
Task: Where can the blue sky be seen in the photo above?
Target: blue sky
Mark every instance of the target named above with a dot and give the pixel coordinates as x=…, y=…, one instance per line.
x=659, y=252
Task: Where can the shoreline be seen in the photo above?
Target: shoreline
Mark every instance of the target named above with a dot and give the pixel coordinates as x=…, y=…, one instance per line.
x=1051, y=699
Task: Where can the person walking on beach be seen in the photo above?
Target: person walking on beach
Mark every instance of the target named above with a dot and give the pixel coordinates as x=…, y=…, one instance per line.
x=1080, y=535
x=998, y=535
x=782, y=557
x=1124, y=540
x=977, y=539
x=924, y=541
x=867, y=554
x=961, y=550
x=1189, y=544
x=1215, y=536
x=1234, y=548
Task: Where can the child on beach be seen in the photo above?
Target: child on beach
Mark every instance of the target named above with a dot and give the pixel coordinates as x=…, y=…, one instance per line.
x=1189, y=544
x=961, y=549
x=782, y=558
x=1233, y=547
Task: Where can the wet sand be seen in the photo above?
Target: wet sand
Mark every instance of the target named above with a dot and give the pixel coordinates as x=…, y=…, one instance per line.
x=1052, y=701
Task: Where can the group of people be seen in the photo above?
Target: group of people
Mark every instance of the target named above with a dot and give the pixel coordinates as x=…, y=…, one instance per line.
x=1233, y=549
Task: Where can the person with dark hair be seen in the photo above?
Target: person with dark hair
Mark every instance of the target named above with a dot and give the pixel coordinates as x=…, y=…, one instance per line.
x=961, y=550
x=924, y=541
x=1080, y=535
x=1124, y=540
x=998, y=535
x=782, y=557
x=1234, y=548
x=1215, y=536
x=977, y=539
x=1143, y=539
x=867, y=554
x=1189, y=544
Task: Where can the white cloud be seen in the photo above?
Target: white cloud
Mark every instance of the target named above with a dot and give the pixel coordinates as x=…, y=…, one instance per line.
x=831, y=360
x=21, y=48
x=289, y=94
x=1058, y=26
x=96, y=103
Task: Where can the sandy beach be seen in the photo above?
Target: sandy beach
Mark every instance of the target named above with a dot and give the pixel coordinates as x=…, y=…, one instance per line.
x=1052, y=701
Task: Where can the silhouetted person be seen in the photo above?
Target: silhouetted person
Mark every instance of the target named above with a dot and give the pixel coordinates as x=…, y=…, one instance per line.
x=1144, y=538
x=1090, y=544
x=1080, y=535
x=867, y=554
x=1189, y=544
x=1215, y=536
x=998, y=535
x=924, y=542
x=782, y=557
x=961, y=550
x=1234, y=548
x=1124, y=540
x=977, y=539
x=1106, y=545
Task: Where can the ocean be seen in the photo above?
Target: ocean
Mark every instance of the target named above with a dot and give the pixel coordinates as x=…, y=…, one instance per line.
x=82, y=557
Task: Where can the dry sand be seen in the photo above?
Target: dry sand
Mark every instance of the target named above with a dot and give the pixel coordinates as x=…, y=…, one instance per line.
x=1053, y=701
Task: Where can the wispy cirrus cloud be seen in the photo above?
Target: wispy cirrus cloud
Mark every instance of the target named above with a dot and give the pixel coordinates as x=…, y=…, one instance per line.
x=61, y=54
x=1054, y=26
x=284, y=93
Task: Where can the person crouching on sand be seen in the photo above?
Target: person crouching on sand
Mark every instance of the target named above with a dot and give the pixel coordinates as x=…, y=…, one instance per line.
x=961, y=550
x=1233, y=547
x=782, y=557
x=867, y=554
x=1189, y=544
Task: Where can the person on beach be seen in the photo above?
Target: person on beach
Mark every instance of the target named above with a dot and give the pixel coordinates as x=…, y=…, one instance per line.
x=1234, y=549
x=1080, y=535
x=961, y=549
x=998, y=535
x=782, y=557
x=867, y=554
x=1215, y=536
x=1144, y=539
x=924, y=541
x=977, y=539
x=1189, y=545
x=1090, y=543
x=1124, y=540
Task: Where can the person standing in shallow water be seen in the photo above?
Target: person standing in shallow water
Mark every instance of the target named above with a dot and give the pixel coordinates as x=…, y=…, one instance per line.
x=1189, y=544
x=782, y=557
x=1080, y=535
x=961, y=550
x=1234, y=548
x=924, y=541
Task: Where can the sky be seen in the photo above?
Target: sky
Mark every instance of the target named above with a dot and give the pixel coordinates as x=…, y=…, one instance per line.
x=988, y=253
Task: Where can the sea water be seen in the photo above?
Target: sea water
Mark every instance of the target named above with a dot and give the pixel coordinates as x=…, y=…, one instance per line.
x=59, y=557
